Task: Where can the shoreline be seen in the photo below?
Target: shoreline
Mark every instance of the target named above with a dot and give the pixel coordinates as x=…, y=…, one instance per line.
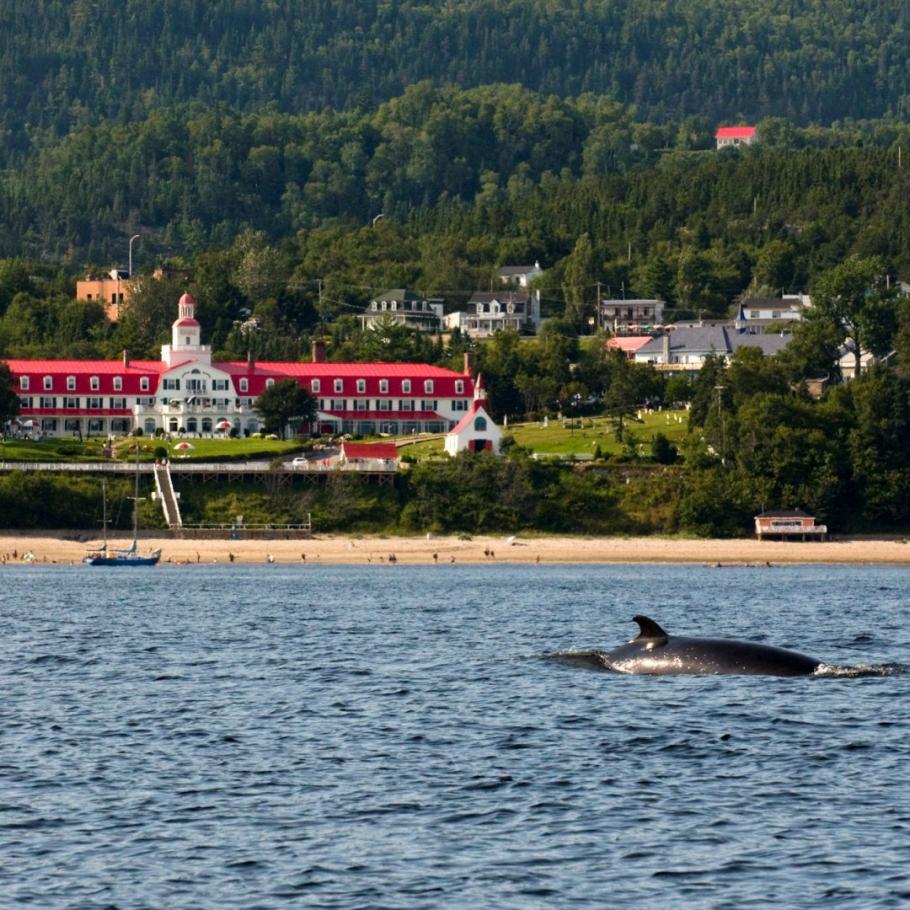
x=344, y=549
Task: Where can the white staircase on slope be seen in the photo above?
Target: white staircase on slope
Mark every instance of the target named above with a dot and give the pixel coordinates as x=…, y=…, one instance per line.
x=166, y=495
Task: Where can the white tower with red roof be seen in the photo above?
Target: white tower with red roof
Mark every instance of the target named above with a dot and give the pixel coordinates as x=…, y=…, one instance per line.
x=477, y=431
x=186, y=337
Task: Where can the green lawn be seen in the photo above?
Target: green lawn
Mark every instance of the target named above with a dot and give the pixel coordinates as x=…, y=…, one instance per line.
x=71, y=449
x=578, y=437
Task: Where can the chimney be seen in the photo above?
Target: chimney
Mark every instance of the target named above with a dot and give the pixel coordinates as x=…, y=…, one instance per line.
x=126, y=358
x=318, y=350
x=468, y=364
x=249, y=358
x=665, y=351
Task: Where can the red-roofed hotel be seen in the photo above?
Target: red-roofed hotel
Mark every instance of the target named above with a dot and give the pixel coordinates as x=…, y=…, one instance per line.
x=186, y=391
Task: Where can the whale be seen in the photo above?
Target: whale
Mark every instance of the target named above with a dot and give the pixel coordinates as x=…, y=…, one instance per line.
x=656, y=652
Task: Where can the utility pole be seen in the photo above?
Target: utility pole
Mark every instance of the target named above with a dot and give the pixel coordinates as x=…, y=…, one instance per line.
x=597, y=306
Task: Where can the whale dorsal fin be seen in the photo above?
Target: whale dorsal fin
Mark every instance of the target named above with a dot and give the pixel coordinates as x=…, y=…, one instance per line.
x=650, y=630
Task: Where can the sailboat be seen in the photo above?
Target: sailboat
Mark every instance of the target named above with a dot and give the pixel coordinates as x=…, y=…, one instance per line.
x=130, y=556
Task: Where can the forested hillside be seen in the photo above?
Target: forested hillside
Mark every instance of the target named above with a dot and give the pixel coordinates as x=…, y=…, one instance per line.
x=69, y=63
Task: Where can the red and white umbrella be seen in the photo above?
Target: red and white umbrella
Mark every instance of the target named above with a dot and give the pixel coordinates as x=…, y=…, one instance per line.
x=183, y=446
x=223, y=425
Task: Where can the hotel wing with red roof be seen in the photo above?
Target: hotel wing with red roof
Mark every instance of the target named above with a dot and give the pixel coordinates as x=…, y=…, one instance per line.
x=186, y=392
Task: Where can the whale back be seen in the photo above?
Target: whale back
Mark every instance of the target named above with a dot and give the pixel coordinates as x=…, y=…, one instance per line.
x=656, y=652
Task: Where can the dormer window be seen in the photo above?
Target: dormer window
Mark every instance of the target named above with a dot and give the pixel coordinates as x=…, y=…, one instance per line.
x=361, y=385
x=94, y=383
x=244, y=384
x=71, y=383
x=459, y=386
x=48, y=383
x=143, y=383
x=23, y=383
x=269, y=383
x=314, y=386
x=406, y=386
x=118, y=383
x=428, y=386
x=338, y=385
x=383, y=386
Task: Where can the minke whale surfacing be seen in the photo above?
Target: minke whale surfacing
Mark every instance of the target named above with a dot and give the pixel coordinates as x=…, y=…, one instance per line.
x=656, y=652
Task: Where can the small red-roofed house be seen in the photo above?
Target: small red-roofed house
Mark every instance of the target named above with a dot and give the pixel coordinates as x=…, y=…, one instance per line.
x=628, y=344
x=378, y=455
x=728, y=136
x=476, y=431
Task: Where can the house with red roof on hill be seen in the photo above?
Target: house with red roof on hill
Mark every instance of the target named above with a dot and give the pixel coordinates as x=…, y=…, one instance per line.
x=477, y=431
x=187, y=392
x=729, y=136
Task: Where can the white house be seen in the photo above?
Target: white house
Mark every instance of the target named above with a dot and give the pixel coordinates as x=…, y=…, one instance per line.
x=403, y=307
x=786, y=308
x=477, y=431
x=490, y=312
x=521, y=275
x=622, y=316
x=729, y=136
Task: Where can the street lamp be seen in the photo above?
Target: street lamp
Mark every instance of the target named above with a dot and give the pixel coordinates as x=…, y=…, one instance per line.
x=134, y=237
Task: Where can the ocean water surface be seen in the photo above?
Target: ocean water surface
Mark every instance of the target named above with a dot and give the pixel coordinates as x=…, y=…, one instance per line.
x=403, y=737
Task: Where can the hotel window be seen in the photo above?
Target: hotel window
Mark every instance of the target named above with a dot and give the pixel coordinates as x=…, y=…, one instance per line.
x=459, y=404
x=338, y=385
x=118, y=404
x=314, y=386
x=94, y=403
x=71, y=383
x=48, y=383
x=173, y=384
x=339, y=404
x=405, y=386
x=384, y=404
x=244, y=384
x=427, y=405
x=459, y=386
x=361, y=386
x=361, y=404
x=383, y=386
x=23, y=383
x=47, y=403
x=118, y=383
x=25, y=402
x=143, y=383
x=94, y=383
x=428, y=386
x=407, y=404
x=71, y=403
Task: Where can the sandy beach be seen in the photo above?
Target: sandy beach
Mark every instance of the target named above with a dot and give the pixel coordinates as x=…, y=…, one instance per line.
x=337, y=549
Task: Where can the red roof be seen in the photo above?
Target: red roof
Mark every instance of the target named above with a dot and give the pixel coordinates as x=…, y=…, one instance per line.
x=628, y=343
x=186, y=321
x=476, y=406
x=735, y=132
x=369, y=450
x=349, y=373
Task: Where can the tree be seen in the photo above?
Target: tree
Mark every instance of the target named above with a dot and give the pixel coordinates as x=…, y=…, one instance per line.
x=9, y=400
x=285, y=404
x=579, y=277
x=852, y=297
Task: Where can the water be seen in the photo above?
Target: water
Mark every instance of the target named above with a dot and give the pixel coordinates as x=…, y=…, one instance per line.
x=397, y=737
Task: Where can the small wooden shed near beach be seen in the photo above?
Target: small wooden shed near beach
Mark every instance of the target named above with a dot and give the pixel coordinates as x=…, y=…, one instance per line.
x=788, y=524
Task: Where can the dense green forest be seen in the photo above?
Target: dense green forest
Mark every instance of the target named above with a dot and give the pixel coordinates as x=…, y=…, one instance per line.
x=68, y=63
